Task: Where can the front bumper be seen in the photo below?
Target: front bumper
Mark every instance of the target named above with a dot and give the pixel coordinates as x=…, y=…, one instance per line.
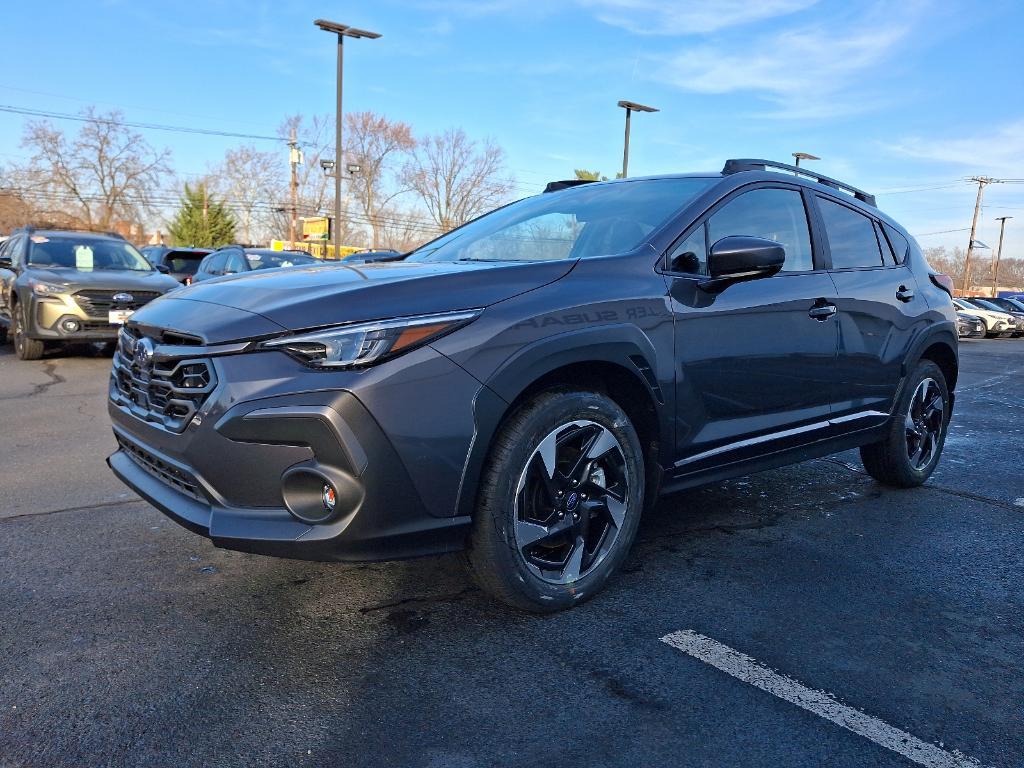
x=223, y=475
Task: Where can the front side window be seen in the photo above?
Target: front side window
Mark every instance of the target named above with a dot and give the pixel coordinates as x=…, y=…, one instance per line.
x=214, y=265
x=773, y=214
x=851, y=236
x=691, y=255
x=235, y=263
x=588, y=220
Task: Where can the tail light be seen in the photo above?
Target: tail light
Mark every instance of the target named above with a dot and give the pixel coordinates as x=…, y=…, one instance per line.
x=945, y=282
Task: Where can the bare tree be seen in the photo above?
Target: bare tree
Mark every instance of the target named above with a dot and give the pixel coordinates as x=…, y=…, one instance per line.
x=250, y=183
x=104, y=174
x=404, y=229
x=456, y=178
x=376, y=145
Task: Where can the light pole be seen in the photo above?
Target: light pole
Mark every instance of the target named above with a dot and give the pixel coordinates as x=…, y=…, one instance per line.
x=804, y=156
x=342, y=31
x=999, y=252
x=630, y=107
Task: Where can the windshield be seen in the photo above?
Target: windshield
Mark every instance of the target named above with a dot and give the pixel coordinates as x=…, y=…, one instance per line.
x=85, y=254
x=589, y=220
x=274, y=259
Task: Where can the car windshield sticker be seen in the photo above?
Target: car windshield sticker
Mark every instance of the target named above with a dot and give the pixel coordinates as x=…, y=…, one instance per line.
x=83, y=257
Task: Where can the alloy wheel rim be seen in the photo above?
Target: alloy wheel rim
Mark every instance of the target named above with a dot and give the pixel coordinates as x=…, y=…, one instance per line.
x=19, y=339
x=924, y=422
x=571, y=501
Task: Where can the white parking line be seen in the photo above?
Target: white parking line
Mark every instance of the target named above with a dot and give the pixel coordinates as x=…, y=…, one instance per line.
x=744, y=668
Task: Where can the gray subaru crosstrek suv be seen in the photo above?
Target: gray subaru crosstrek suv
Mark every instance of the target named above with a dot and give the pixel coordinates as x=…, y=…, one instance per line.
x=60, y=287
x=523, y=386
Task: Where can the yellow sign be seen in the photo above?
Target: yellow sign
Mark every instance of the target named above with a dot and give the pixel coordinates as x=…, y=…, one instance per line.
x=316, y=228
x=321, y=250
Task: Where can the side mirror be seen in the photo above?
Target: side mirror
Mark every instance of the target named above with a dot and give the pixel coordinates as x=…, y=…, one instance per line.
x=739, y=258
x=162, y=269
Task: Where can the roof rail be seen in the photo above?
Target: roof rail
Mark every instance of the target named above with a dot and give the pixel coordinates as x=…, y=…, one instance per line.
x=736, y=166
x=554, y=186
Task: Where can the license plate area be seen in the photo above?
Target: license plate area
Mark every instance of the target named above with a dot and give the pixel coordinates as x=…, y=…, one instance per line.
x=118, y=316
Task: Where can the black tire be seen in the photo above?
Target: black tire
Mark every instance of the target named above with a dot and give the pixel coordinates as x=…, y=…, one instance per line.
x=557, y=417
x=24, y=347
x=895, y=460
x=3, y=335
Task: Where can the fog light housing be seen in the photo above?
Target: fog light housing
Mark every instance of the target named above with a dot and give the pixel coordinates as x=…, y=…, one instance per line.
x=317, y=495
x=70, y=325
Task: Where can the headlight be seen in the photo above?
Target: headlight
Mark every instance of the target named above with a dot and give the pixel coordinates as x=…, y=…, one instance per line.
x=40, y=288
x=360, y=344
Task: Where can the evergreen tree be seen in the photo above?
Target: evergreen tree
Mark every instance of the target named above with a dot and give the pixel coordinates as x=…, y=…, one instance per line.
x=585, y=175
x=201, y=221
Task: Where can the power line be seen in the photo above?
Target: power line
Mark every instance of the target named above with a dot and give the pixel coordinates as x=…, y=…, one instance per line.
x=149, y=126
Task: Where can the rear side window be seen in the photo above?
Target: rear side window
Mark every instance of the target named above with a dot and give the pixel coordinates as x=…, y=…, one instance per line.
x=773, y=214
x=851, y=236
x=899, y=243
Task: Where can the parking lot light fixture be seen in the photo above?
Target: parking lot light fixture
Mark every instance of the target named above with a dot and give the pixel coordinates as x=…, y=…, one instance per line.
x=630, y=107
x=804, y=156
x=341, y=31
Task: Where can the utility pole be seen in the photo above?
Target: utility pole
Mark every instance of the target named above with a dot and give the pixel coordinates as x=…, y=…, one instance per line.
x=999, y=253
x=630, y=107
x=294, y=158
x=342, y=31
x=981, y=181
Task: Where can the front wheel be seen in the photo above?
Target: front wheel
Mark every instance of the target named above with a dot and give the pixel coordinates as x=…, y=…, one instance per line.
x=559, y=503
x=910, y=452
x=24, y=347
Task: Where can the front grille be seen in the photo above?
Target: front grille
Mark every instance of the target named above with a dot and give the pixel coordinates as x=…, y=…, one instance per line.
x=167, y=392
x=99, y=303
x=161, y=470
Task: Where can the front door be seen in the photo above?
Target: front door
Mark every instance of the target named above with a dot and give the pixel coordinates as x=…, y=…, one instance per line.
x=756, y=362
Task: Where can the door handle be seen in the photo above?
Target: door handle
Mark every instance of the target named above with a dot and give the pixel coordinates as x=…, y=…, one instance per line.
x=822, y=312
x=904, y=294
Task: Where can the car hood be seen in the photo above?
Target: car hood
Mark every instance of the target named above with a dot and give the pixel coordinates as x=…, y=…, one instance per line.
x=113, y=279
x=307, y=297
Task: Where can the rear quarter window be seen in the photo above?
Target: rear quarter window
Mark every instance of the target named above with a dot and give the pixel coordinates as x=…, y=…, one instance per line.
x=900, y=244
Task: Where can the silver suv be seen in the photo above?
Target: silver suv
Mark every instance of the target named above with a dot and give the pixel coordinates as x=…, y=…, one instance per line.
x=59, y=286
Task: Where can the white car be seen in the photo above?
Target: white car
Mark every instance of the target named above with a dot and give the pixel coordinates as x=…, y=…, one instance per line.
x=996, y=323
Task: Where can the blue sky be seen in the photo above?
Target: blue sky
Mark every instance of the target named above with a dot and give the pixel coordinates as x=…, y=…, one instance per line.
x=905, y=99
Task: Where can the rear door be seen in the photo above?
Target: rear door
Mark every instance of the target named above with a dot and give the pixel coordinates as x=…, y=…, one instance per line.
x=880, y=309
x=756, y=362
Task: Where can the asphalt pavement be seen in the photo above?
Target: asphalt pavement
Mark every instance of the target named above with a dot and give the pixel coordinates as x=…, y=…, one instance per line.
x=128, y=641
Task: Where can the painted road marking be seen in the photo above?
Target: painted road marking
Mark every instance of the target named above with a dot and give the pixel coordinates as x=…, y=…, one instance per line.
x=744, y=668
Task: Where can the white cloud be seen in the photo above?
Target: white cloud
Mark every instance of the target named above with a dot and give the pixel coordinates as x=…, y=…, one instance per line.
x=998, y=151
x=693, y=17
x=807, y=72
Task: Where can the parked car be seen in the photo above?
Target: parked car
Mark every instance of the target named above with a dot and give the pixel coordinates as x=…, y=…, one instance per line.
x=525, y=385
x=61, y=286
x=237, y=259
x=181, y=263
x=370, y=256
x=969, y=326
x=997, y=323
x=1009, y=306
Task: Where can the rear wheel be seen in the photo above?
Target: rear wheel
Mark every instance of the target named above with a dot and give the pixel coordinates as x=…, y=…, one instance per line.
x=560, y=501
x=910, y=452
x=24, y=347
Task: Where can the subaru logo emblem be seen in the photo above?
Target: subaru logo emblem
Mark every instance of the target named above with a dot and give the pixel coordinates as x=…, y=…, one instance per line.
x=123, y=298
x=572, y=501
x=144, y=351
